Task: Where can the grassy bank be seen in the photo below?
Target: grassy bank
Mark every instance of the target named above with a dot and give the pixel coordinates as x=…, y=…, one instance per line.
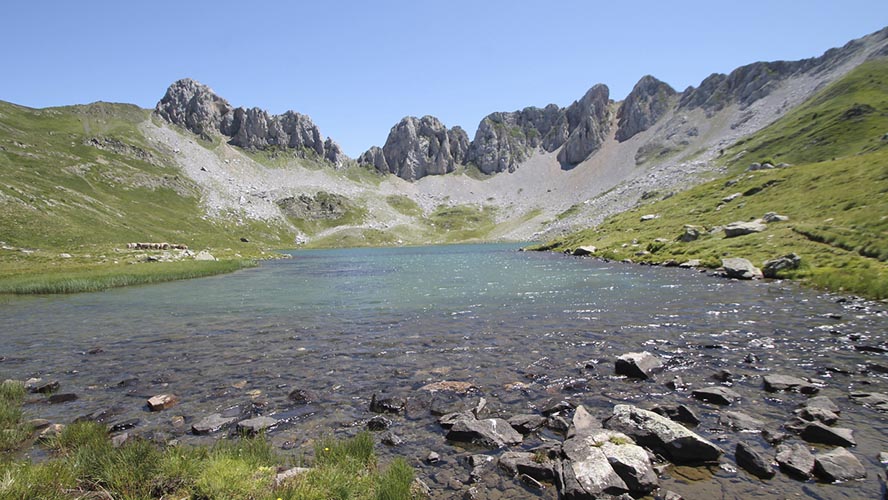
x=103, y=277
x=84, y=463
x=835, y=195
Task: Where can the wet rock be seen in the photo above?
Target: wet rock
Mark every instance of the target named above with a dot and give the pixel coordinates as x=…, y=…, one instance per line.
x=723, y=376
x=433, y=458
x=742, y=228
x=450, y=386
x=62, y=398
x=816, y=432
x=39, y=386
x=655, y=431
x=490, y=432
x=587, y=473
x=302, y=396
x=742, y=269
x=555, y=406
x=740, y=421
x=817, y=414
x=212, y=423
x=873, y=400
x=678, y=413
x=378, y=423
x=585, y=250
x=162, y=402
x=775, y=383
x=753, y=461
x=716, y=395
x=120, y=439
x=838, y=465
x=670, y=495
x=389, y=438
x=538, y=467
x=796, y=460
x=675, y=383
x=99, y=416
x=256, y=425
x=525, y=424
x=124, y=425
x=481, y=465
x=448, y=402
x=640, y=365
x=772, y=268
x=774, y=436
x=582, y=423
x=447, y=421
x=50, y=432
x=38, y=424
x=822, y=402
x=387, y=405
x=558, y=424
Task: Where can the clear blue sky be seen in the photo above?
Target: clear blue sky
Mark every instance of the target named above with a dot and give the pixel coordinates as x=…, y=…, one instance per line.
x=357, y=67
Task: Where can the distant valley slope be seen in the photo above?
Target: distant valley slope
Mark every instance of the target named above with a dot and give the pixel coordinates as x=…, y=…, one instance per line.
x=85, y=180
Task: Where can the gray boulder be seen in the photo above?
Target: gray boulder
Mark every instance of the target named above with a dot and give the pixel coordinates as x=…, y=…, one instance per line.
x=490, y=432
x=771, y=268
x=838, y=465
x=753, y=461
x=655, y=431
x=716, y=395
x=816, y=432
x=649, y=100
x=588, y=122
x=691, y=233
x=742, y=228
x=517, y=463
x=525, y=424
x=774, y=217
x=739, y=268
x=822, y=402
x=821, y=415
x=678, y=413
x=874, y=400
x=638, y=365
x=589, y=468
x=583, y=423
x=796, y=460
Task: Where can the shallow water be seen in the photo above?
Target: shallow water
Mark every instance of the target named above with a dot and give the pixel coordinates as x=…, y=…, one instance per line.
x=349, y=323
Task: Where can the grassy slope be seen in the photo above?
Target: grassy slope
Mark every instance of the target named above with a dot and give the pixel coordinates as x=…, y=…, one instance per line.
x=836, y=196
x=59, y=193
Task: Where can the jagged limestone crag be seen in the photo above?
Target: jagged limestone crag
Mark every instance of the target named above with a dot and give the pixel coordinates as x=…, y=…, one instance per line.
x=588, y=123
x=649, y=100
x=196, y=107
x=417, y=147
x=505, y=139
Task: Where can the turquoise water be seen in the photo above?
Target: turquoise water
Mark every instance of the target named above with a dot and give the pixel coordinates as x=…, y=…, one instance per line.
x=346, y=324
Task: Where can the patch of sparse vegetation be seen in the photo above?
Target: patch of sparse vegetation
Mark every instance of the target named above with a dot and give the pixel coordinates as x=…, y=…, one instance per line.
x=404, y=205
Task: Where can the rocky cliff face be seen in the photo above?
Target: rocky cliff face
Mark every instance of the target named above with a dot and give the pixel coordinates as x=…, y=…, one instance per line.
x=417, y=147
x=649, y=100
x=588, y=122
x=196, y=107
x=504, y=140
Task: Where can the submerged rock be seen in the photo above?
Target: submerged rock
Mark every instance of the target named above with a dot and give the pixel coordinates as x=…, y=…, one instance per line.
x=775, y=383
x=716, y=395
x=740, y=421
x=256, y=425
x=162, y=402
x=212, y=423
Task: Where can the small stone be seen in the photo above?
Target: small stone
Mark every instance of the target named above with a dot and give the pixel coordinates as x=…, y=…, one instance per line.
x=41, y=387
x=119, y=440
x=796, y=460
x=387, y=405
x=283, y=477
x=525, y=424
x=775, y=383
x=433, y=458
x=678, y=413
x=162, y=402
x=555, y=406
x=740, y=421
x=301, y=396
x=390, y=438
x=817, y=414
x=716, y=395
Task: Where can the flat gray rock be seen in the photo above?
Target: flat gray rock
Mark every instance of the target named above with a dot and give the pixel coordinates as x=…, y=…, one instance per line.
x=776, y=383
x=741, y=228
x=490, y=432
x=753, y=461
x=838, y=465
x=640, y=365
x=739, y=268
x=873, y=400
x=740, y=421
x=658, y=432
x=256, y=425
x=816, y=432
x=796, y=460
x=212, y=423
x=716, y=395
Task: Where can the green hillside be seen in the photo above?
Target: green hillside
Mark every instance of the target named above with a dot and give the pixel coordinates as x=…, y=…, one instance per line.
x=83, y=181
x=835, y=194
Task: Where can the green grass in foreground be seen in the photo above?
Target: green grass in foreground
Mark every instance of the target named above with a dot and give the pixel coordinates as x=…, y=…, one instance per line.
x=84, y=462
x=836, y=198
x=96, y=278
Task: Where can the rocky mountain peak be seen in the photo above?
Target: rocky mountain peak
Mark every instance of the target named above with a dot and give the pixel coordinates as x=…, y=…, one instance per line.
x=588, y=122
x=417, y=147
x=196, y=107
x=504, y=140
x=649, y=100
x=193, y=105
